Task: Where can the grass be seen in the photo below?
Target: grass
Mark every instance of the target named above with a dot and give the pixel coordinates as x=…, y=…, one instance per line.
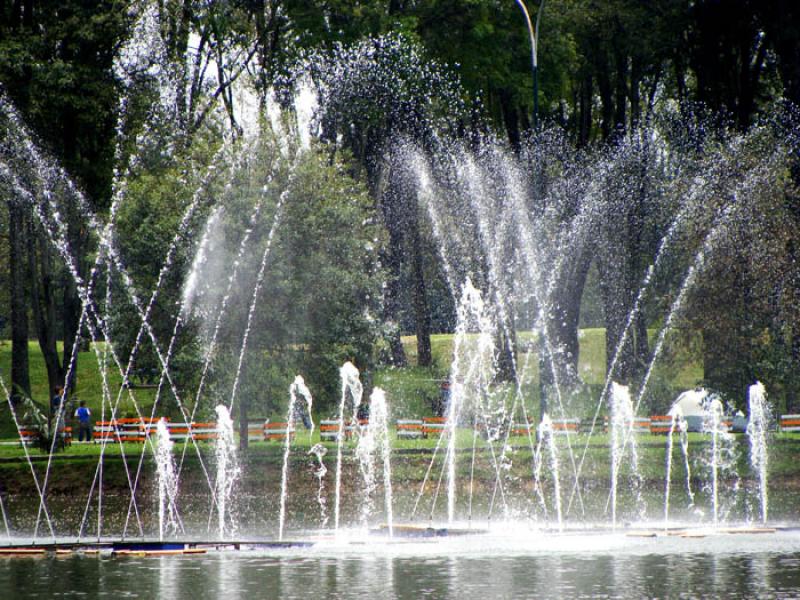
x=89, y=384
x=668, y=380
x=412, y=457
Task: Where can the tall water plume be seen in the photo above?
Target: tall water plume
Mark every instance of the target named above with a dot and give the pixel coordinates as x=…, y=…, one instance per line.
x=471, y=372
x=758, y=434
x=228, y=472
x=720, y=459
x=352, y=393
x=547, y=442
x=621, y=429
x=319, y=451
x=297, y=389
x=679, y=426
x=373, y=453
x=168, y=518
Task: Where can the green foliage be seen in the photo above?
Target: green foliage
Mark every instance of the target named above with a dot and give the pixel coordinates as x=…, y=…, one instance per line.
x=315, y=308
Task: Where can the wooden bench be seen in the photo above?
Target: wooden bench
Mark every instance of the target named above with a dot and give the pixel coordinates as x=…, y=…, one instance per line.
x=116, y=431
x=124, y=430
x=641, y=425
x=522, y=429
x=432, y=426
x=277, y=431
x=329, y=431
x=409, y=429
x=28, y=436
x=660, y=424
x=192, y=431
x=566, y=426
x=255, y=431
x=789, y=423
x=726, y=424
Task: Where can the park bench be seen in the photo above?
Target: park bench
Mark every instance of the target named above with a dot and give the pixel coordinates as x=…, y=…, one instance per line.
x=277, y=431
x=117, y=431
x=255, y=431
x=409, y=429
x=566, y=426
x=28, y=436
x=522, y=429
x=726, y=424
x=433, y=426
x=660, y=424
x=639, y=425
x=789, y=423
x=193, y=431
x=329, y=430
x=124, y=430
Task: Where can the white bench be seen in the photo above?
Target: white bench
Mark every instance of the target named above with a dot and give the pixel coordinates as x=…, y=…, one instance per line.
x=789, y=423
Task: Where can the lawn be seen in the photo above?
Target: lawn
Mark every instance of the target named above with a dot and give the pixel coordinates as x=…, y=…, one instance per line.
x=89, y=384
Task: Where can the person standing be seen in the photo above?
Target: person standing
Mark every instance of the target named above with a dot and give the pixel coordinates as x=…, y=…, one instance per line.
x=84, y=416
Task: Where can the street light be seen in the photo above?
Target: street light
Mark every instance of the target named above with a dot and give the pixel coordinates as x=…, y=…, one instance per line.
x=534, y=34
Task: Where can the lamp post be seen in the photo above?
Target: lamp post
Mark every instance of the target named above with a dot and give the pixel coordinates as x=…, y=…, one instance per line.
x=533, y=31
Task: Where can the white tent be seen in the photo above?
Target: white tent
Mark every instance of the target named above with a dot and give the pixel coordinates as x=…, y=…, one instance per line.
x=690, y=404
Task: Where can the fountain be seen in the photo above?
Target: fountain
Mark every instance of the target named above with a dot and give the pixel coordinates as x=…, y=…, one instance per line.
x=168, y=519
x=228, y=472
x=319, y=451
x=621, y=427
x=352, y=392
x=298, y=388
x=510, y=227
x=757, y=433
x=373, y=444
x=677, y=425
x=546, y=439
x=721, y=455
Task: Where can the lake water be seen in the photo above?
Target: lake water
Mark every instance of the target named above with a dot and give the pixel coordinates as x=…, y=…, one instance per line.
x=503, y=564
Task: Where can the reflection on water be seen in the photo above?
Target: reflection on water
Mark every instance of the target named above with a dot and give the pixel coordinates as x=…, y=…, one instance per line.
x=384, y=575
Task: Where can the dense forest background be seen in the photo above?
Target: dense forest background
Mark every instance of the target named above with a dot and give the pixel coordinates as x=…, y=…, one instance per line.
x=606, y=70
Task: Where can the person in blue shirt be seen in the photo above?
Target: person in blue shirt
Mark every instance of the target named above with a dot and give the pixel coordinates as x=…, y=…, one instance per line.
x=55, y=401
x=84, y=416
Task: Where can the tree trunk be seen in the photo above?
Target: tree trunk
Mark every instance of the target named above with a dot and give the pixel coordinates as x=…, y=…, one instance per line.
x=392, y=299
x=20, y=376
x=510, y=119
x=636, y=103
x=243, y=425
x=614, y=292
x=422, y=313
x=621, y=93
x=567, y=307
x=585, y=118
x=44, y=306
x=606, y=99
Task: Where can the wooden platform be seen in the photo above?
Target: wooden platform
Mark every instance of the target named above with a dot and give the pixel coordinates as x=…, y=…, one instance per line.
x=147, y=547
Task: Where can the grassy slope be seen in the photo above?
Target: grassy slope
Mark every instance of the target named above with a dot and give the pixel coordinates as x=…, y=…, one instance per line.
x=89, y=387
x=413, y=389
